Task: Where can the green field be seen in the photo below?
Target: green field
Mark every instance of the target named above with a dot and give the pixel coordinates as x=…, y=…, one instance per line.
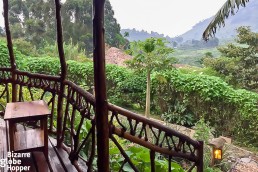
x=193, y=56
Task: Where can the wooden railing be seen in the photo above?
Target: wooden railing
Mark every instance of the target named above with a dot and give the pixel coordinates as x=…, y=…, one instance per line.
x=79, y=126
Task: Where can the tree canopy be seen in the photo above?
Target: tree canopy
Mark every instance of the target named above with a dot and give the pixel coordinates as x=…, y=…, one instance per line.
x=35, y=22
x=239, y=61
x=150, y=54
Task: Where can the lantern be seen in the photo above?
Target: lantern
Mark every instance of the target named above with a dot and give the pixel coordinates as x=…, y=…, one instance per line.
x=217, y=153
x=217, y=145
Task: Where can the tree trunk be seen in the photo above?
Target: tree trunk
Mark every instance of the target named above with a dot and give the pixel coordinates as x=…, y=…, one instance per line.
x=147, y=108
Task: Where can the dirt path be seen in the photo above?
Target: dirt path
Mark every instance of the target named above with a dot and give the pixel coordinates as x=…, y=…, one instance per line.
x=242, y=160
x=245, y=165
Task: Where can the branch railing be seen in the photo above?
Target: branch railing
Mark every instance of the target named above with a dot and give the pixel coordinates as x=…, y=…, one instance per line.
x=78, y=134
x=154, y=136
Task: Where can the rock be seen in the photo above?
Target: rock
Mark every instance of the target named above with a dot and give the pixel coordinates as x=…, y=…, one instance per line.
x=232, y=158
x=245, y=160
x=253, y=163
x=228, y=140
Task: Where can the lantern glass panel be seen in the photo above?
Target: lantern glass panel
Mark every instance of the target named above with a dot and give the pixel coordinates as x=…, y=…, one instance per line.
x=217, y=153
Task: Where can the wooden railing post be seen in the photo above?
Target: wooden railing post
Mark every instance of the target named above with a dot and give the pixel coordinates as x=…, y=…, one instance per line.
x=200, y=157
x=100, y=87
x=63, y=72
x=10, y=49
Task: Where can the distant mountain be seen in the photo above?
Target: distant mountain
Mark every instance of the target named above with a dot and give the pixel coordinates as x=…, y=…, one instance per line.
x=247, y=16
x=176, y=42
x=135, y=35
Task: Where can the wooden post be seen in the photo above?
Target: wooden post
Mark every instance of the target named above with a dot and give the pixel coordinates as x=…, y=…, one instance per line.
x=10, y=49
x=63, y=73
x=200, y=157
x=152, y=159
x=100, y=86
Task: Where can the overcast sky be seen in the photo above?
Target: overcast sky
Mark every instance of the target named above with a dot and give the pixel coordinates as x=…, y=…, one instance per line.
x=170, y=17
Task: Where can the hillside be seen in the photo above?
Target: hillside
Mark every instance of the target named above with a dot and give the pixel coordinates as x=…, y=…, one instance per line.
x=135, y=35
x=247, y=16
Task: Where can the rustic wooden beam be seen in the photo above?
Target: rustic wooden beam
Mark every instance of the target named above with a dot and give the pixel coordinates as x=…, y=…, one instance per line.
x=100, y=86
x=63, y=72
x=10, y=49
x=200, y=157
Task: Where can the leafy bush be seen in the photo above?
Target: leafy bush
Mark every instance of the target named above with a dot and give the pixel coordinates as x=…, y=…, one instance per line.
x=25, y=47
x=230, y=111
x=179, y=114
x=71, y=51
x=140, y=157
x=204, y=132
x=4, y=55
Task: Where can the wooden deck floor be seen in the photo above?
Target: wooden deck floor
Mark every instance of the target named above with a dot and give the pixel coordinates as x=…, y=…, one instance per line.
x=58, y=158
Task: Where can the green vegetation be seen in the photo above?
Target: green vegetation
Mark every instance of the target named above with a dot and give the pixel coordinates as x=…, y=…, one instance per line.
x=231, y=112
x=193, y=56
x=149, y=55
x=140, y=157
x=203, y=131
x=238, y=64
x=35, y=23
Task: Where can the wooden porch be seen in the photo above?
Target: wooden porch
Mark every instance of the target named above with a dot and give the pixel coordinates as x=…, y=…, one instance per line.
x=83, y=124
x=36, y=162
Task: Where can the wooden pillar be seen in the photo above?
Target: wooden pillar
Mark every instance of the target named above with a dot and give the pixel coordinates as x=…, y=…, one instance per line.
x=100, y=86
x=10, y=49
x=63, y=72
x=200, y=157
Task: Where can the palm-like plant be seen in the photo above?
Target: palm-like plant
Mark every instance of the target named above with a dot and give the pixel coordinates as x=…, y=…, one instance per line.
x=219, y=18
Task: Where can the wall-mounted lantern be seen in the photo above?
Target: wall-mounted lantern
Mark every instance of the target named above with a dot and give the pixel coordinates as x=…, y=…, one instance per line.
x=217, y=146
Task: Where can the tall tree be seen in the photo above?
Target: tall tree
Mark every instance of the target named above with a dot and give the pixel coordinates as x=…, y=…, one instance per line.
x=34, y=21
x=77, y=23
x=240, y=64
x=149, y=55
x=113, y=35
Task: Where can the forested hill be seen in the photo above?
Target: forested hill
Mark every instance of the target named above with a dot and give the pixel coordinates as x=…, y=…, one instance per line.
x=34, y=21
x=247, y=16
x=135, y=35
